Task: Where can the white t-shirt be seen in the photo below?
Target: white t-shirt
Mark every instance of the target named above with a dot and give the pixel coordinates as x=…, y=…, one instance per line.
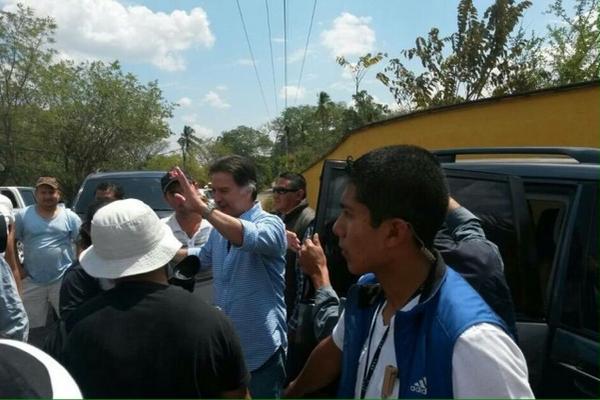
x=486, y=363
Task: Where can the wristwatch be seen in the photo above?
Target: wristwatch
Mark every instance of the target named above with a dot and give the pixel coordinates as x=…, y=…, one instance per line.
x=210, y=207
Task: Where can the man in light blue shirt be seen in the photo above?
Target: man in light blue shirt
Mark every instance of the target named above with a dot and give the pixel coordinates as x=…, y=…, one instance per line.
x=246, y=251
x=48, y=233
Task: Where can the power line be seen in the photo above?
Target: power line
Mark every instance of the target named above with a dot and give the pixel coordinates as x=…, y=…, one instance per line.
x=272, y=63
x=262, y=93
x=312, y=17
x=285, y=74
x=285, y=79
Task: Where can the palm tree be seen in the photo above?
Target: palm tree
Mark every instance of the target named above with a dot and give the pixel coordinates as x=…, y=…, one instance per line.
x=187, y=140
x=323, y=106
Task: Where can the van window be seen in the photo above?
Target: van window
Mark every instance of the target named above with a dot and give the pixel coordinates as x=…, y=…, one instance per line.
x=581, y=298
x=500, y=204
x=27, y=196
x=146, y=189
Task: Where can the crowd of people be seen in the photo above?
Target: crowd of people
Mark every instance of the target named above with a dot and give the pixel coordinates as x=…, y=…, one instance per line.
x=430, y=315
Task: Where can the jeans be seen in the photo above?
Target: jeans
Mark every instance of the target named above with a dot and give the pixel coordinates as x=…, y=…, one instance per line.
x=267, y=381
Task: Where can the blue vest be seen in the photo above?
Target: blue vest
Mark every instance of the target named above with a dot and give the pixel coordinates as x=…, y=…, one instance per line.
x=424, y=337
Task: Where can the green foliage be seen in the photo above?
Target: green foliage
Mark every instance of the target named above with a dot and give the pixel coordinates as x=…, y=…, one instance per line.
x=100, y=118
x=491, y=56
x=250, y=143
x=24, y=53
x=574, y=43
x=359, y=69
x=68, y=119
x=480, y=58
x=164, y=162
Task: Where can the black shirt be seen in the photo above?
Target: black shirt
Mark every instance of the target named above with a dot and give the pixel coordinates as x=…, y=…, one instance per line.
x=77, y=287
x=145, y=339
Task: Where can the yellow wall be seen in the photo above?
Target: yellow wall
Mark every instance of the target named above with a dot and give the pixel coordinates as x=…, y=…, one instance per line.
x=560, y=117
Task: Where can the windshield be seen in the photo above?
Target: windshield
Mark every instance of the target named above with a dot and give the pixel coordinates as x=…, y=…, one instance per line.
x=28, y=197
x=146, y=189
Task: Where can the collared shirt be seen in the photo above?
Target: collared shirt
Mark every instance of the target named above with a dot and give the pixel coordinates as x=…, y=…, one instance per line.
x=249, y=283
x=197, y=240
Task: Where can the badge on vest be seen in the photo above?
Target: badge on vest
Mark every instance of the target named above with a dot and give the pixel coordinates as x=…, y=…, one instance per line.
x=389, y=379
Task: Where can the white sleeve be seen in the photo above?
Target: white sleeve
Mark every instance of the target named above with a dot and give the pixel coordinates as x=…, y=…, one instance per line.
x=338, y=332
x=486, y=363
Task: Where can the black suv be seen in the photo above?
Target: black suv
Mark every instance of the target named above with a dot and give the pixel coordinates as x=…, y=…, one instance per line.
x=543, y=214
x=141, y=185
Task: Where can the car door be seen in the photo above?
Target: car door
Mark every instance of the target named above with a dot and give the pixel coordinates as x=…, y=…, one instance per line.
x=328, y=208
x=572, y=369
x=500, y=202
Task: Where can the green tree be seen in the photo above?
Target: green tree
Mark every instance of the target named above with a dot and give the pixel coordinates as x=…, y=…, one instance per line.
x=481, y=57
x=311, y=132
x=100, y=118
x=574, y=43
x=359, y=69
x=164, y=162
x=248, y=142
x=24, y=52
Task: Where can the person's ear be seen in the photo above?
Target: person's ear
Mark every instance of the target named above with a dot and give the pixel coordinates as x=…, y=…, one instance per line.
x=397, y=232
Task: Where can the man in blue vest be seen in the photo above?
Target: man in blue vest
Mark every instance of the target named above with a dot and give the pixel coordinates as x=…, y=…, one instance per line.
x=412, y=327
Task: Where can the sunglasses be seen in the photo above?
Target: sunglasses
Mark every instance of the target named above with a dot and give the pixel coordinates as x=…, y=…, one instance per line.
x=282, y=190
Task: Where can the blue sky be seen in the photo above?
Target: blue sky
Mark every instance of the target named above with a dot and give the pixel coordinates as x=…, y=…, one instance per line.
x=198, y=52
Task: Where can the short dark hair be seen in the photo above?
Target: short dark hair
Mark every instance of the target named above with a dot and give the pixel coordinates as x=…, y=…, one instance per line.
x=242, y=170
x=85, y=238
x=402, y=181
x=297, y=181
x=113, y=187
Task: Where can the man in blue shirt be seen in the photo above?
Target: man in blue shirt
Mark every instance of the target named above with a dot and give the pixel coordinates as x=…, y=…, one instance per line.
x=48, y=233
x=246, y=251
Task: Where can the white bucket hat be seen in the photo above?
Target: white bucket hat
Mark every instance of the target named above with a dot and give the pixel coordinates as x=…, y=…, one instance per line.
x=127, y=239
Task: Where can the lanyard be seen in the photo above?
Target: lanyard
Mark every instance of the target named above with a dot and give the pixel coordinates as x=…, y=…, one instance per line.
x=368, y=372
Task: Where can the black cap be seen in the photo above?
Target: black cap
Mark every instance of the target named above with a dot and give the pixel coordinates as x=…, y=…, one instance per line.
x=167, y=179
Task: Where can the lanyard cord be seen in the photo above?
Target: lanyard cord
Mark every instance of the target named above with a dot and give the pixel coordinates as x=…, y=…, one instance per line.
x=370, y=368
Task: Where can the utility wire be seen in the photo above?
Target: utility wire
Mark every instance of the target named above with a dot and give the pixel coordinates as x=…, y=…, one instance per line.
x=272, y=62
x=285, y=78
x=262, y=93
x=312, y=17
x=285, y=74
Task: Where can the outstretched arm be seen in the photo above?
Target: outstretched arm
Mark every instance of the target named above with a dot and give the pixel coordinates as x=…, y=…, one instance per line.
x=322, y=367
x=230, y=227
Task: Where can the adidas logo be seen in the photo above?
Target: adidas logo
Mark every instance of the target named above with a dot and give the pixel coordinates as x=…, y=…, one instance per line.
x=420, y=386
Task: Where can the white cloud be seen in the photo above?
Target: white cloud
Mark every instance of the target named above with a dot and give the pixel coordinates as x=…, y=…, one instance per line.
x=108, y=30
x=221, y=88
x=345, y=86
x=293, y=92
x=202, y=131
x=191, y=120
x=297, y=55
x=184, y=102
x=246, y=62
x=349, y=36
x=214, y=100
